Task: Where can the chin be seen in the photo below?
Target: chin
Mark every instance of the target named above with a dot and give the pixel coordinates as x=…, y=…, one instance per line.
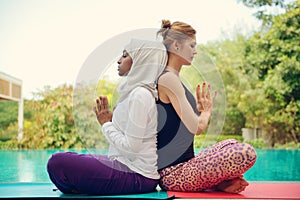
x=187, y=63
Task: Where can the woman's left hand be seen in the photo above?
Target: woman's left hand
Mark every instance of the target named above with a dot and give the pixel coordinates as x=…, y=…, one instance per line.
x=204, y=100
x=102, y=111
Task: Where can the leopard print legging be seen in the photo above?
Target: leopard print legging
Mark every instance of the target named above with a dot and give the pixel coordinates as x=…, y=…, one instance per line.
x=225, y=160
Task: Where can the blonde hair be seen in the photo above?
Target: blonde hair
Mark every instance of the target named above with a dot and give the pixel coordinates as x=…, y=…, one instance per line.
x=178, y=31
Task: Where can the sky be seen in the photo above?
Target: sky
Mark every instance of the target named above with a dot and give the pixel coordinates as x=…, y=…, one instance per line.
x=45, y=42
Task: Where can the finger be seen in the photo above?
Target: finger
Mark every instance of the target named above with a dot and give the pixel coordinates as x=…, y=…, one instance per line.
x=242, y=188
x=98, y=104
x=208, y=92
x=101, y=103
x=203, y=89
x=214, y=97
x=95, y=110
x=244, y=183
x=105, y=103
x=198, y=92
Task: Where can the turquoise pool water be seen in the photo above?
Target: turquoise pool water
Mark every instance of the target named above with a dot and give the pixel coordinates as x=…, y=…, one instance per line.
x=30, y=166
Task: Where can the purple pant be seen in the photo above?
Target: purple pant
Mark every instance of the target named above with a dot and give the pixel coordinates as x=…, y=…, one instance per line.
x=96, y=175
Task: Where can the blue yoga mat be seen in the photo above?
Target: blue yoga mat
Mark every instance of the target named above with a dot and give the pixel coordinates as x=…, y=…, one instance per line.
x=47, y=190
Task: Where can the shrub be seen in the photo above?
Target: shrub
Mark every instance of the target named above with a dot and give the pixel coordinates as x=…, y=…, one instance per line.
x=205, y=140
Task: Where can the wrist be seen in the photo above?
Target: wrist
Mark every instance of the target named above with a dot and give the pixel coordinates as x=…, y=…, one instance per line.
x=205, y=114
x=203, y=120
x=104, y=121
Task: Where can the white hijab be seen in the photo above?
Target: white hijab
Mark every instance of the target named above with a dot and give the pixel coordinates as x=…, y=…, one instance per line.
x=149, y=58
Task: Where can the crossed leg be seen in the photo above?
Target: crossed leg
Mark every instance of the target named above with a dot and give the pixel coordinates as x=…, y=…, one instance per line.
x=217, y=167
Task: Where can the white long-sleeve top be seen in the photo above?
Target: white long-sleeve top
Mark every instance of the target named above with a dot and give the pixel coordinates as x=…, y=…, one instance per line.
x=132, y=134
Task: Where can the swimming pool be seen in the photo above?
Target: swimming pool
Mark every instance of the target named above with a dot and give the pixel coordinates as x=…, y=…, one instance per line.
x=30, y=166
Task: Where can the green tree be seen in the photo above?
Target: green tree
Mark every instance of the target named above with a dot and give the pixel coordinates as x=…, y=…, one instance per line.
x=228, y=57
x=267, y=9
x=9, y=119
x=52, y=124
x=6, y=107
x=274, y=53
x=86, y=123
x=54, y=120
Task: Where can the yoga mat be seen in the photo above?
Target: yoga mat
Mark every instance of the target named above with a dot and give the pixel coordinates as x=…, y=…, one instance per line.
x=45, y=190
x=253, y=191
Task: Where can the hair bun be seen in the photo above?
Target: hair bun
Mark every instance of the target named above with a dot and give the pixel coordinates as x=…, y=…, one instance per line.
x=165, y=23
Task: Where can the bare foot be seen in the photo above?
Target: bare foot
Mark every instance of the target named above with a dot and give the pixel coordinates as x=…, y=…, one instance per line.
x=236, y=185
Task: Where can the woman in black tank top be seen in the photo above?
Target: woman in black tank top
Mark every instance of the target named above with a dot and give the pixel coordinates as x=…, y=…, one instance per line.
x=175, y=143
x=181, y=116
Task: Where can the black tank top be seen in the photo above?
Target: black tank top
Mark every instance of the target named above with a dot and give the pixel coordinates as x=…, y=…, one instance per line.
x=175, y=143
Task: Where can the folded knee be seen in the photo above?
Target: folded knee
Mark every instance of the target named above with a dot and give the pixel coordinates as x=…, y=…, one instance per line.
x=245, y=152
x=242, y=154
x=250, y=152
x=55, y=162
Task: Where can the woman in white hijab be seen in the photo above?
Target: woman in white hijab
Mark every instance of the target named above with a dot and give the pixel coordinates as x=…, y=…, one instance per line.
x=131, y=131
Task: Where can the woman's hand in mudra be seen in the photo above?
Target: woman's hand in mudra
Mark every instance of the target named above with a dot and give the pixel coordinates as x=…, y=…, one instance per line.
x=204, y=99
x=102, y=111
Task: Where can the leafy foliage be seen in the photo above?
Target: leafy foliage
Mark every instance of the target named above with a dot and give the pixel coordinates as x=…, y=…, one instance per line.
x=8, y=107
x=206, y=140
x=275, y=54
x=228, y=57
x=52, y=123
x=86, y=124
x=267, y=9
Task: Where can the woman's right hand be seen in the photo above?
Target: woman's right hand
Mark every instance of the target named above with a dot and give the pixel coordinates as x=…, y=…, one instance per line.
x=204, y=100
x=102, y=111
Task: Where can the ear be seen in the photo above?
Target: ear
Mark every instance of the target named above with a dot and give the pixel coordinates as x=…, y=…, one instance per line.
x=176, y=45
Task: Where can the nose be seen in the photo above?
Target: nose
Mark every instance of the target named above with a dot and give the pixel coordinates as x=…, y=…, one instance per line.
x=195, y=52
x=119, y=61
